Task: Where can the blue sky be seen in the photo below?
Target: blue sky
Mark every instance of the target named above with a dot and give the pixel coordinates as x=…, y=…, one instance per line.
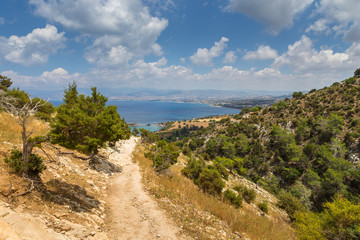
x=179, y=44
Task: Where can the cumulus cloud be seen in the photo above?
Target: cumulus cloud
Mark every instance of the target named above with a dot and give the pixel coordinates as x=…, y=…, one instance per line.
x=262, y=53
x=342, y=17
x=230, y=57
x=54, y=79
x=159, y=75
x=275, y=15
x=118, y=26
x=302, y=57
x=204, y=56
x=34, y=48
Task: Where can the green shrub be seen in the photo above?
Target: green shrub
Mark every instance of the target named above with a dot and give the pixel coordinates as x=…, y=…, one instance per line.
x=163, y=155
x=234, y=199
x=290, y=204
x=36, y=163
x=297, y=94
x=193, y=169
x=210, y=181
x=351, y=80
x=263, y=207
x=248, y=194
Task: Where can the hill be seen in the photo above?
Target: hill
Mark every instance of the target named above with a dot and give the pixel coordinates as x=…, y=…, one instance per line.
x=304, y=150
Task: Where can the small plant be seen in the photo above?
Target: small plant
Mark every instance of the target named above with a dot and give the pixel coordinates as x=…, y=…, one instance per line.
x=234, y=199
x=15, y=160
x=210, y=181
x=263, y=207
x=36, y=163
x=248, y=194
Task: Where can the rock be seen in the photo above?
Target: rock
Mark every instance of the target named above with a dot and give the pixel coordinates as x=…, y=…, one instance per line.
x=7, y=232
x=101, y=164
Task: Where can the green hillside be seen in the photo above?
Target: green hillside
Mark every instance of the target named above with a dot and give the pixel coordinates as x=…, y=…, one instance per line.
x=305, y=150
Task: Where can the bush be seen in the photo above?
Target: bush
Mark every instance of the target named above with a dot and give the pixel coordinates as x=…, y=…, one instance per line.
x=339, y=220
x=193, y=169
x=234, y=199
x=351, y=80
x=263, y=207
x=210, y=181
x=357, y=73
x=163, y=155
x=247, y=193
x=297, y=94
x=290, y=204
x=36, y=163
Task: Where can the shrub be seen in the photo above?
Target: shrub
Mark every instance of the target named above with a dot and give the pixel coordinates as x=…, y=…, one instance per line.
x=351, y=80
x=297, y=94
x=36, y=163
x=163, y=155
x=247, y=193
x=290, y=204
x=210, y=181
x=357, y=73
x=193, y=169
x=263, y=207
x=234, y=199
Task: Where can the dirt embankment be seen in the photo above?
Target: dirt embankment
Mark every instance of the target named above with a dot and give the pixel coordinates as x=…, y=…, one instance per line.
x=77, y=202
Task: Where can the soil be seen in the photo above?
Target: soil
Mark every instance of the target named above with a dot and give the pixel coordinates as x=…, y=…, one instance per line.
x=131, y=212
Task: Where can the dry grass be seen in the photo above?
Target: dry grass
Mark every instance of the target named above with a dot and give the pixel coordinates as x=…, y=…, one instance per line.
x=202, y=215
x=203, y=122
x=10, y=131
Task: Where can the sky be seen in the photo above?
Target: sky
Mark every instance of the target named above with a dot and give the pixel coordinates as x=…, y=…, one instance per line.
x=278, y=45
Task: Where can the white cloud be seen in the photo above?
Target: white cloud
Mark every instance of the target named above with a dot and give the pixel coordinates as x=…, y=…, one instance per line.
x=54, y=79
x=275, y=15
x=319, y=26
x=340, y=16
x=159, y=75
x=2, y=20
x=262, y=53
x=204, y=56
x=34, y=48
x=230, y=57
x=118, y=26
x=302, y=57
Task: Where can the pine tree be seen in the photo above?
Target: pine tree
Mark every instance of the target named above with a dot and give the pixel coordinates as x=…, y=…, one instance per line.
x=85, y=123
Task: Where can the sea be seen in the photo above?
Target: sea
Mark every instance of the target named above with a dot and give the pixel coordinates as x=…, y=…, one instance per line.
x=147, y=114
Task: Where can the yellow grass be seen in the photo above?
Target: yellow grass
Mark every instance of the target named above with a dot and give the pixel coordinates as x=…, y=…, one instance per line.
x=182, y=192
x=10, y=131
x=203, y=122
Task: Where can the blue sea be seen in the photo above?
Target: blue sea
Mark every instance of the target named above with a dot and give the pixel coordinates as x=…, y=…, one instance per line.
x=146, y=113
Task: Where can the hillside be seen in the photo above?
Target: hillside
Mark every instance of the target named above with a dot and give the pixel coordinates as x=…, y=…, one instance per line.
x=304, y=150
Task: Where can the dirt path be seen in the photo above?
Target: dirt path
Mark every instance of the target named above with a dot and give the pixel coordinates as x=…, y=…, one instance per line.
x=132, y=213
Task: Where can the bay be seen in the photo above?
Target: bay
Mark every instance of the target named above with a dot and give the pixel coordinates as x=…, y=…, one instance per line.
x=146, y=113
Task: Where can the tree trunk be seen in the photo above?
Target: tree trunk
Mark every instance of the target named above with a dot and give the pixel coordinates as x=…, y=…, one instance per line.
x=25, y=152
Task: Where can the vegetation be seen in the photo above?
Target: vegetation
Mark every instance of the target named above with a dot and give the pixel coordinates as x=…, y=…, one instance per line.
x=201, y=214
x=36, y=163
x=263, y=206
x=85, y=123
x=305, y=150
x=163, y=155
x=23, y=110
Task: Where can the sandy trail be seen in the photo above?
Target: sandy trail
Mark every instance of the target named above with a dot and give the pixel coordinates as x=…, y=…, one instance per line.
x=132, y=213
